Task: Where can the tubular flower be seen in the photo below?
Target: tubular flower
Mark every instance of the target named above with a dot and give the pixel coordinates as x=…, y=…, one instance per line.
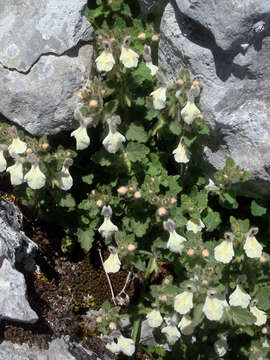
x=105, y=61
x=154, y=318
x=190, y=112
x=181, y=154
x=176, y=241
x=172, y=333
x=126, y=345
x=17, y=146
x=221, y=346
x=261, y=317
x=148, y=60
x=213, y=307
x=183, y=302
x=16, y=172
x=185, y=325
x=159, y=98
x=112, y=264
x=34, y=177
x=195, y=226
x=3, y=162
x=107, y=228
x=80, y=134
x=113, y=347
x=114, y=139
x=240, y=297
x=128, y=57
x=224, y=252
x=252, y=247
x=64, y=179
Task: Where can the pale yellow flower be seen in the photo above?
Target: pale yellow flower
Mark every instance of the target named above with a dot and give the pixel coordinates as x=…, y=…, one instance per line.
x=82, y=138
x=172, y=334
x=17, y=146
x=183, y=302
x=185, y=325
x=195, y=226
x=107, y=228
x=105, y=61
x=176, y=242
x=64, y=179
x=190, y=112
x=239, y=297
x=113, y=141
x=213, y=307
x=159, y=98
x=16, y=173
x=152, y=67
x=128, y=57
x=112, y=264
x=181, y=154
x=252, y=247
x=154, y=318
x=224, y=252
x=221, y=346
x=35, y=178
x=3, y=162
x=126, y=345
x=113, y=347
x=261, y=316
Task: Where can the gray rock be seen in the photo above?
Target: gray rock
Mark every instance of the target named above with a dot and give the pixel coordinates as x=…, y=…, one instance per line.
x=232, y=61
x=152, y=6
x=13, y=303
x=42, y=65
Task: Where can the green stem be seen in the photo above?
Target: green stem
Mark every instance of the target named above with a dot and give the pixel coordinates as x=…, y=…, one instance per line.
x=138, y=319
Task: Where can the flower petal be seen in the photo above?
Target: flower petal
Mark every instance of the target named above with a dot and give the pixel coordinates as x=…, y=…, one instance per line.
x=82, y=138
x=224, y=252
x=252, y=247
x=16, y=173
x=239, y=297
x=105, y=61
x=154, y=318
x=112, y=264
x=159, y=98
x=183, y=302
x=128, y=57
x=35, y=178
x=190, y=112
x=17, y=146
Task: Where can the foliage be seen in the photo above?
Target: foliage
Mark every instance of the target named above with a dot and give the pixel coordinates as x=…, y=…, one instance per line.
x=141, y=193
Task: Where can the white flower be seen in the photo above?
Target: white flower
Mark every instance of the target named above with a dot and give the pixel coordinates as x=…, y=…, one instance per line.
x=114, y=139
x=221, y=346
x=126, y=345
x=193, y=225
x=154, y=318
x=261, y=317
x=16, y=173
x=82, y=138
x=113, y=347
x=183, y=302
x=107, y=228
x=112, y=264
x=176, y=242
x=128, y=57
x=152, y=67
x=105, y=61
x=224, y=251
x=64, y=179
x=239, y=297
x=3, y=162
x=17, y=146
x=35, y=178
x=252, y=247
x=159, y=98
x=213, y=307
x=172, y=333
x=266, y=343
x=181, y=154
x=211, y=185
x=190, y=112
x=185, y=325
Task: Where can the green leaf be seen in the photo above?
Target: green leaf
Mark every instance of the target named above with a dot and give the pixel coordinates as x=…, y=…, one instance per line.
x=102, y=157
x=136, y=151
x=111, y=106
x=197, y=315
x=137, y=133
x=212, y=220
x=88, y=179
x=142, y=73
x=257, y=209
x=86, y=238
x=242, y=316
x=263, y=296
x=175, y=127
x=139, y=228
x=106, y=306
x=67, y=201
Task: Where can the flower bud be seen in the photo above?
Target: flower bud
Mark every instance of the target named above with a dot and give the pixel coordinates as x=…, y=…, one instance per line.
x=155, y=37
x=262, y=259
x=180, y=82
x=79, y=95
x=103, y=92
x=225, y=176
x=137, y=195
x=190, y=252
x=131, y=188
x=265, y=330
x=162, y=211
x=205, y=253
x=173, y=200
x=122, y=190
x=100, y=37
x=29, y=150
x=93, y=103
x=195, y=83
x=131, y=247
x=163, y=298
x=167, y=282
x=205, y=282
x=94, y=192
x=45, y=146
x=99, y=319
x=141, y=36
x=99, y=203
x=112, y=325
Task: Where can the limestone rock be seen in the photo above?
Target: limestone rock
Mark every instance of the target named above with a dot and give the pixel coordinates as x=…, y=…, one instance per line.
x=43, y=62
x=230, y=55
x=13, y=303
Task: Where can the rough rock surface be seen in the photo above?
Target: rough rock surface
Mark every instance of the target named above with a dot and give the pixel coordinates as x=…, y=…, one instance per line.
x=42, y=65
x=13, y=303
x=226, y=45
x=59, y=349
